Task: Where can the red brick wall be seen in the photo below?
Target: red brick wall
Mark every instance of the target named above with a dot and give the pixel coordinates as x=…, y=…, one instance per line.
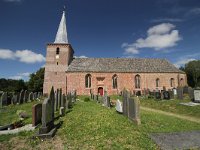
x=125, y=80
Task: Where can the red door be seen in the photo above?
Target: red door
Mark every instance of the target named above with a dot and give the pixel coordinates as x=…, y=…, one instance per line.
x=100, y=91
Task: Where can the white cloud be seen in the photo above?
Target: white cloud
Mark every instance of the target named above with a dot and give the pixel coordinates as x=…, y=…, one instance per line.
x=26, y=56
x=82, y=56
x=158, y=37
x=6, y=54
x=167, y=20
x=185, y=59
x=23, y=76
x=195, y=11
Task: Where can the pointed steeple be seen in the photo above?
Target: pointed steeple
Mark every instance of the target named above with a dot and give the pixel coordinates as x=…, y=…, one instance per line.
x=61, y=36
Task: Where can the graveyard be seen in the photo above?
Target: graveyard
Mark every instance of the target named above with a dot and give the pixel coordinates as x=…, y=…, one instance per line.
x=95, y=122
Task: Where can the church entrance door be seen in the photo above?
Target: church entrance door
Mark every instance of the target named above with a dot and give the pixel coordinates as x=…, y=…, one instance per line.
x=100, y=91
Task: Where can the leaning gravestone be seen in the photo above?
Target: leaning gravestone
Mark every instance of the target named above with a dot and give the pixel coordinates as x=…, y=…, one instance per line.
x=134, y=110
x=36, y=114
x=119, y=106
x=180, y=93
x=21, y=97
x=197, y=95
x=48, y=128
x=3, y=100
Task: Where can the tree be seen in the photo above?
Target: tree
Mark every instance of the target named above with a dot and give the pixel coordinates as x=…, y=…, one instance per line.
x=192, y=70
x=36, y=80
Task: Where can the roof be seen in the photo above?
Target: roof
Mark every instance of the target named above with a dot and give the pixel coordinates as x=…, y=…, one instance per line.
x=138, y=65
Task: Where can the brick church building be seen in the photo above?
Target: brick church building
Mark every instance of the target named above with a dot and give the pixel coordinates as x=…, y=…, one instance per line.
x=95, y=75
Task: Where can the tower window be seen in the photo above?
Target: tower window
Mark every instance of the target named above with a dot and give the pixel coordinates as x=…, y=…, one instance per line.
x=114, y=81
x=57, y=51
x=88, y=81
x=57, y=63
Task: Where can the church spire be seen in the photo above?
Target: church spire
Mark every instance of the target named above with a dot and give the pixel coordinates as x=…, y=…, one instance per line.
x=61, y=36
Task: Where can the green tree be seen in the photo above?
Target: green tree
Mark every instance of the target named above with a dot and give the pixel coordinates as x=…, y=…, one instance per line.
x=192, y=70
x=36, y=80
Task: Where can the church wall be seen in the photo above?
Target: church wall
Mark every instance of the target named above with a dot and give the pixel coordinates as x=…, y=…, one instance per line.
x=76, y=81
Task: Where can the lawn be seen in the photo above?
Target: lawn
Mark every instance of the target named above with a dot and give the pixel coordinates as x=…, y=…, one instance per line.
x=92, y=126
x=9, y=115
x=173, y=106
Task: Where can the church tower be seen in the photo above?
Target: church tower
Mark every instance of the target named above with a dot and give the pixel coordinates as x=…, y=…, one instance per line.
x=58, y=57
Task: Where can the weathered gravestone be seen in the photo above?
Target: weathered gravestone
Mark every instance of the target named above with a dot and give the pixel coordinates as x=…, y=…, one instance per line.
x=59, y=97
x=63, y=102
x=48, y=128
x=25, y=96
x=15, y=98
x=119, y=106
x=197, y=95
x=166, y=95
x=157, y=95
x=30, y=97
x=180, y=93
x=36, y=114
x=3, y=100
x=191, y=93
x=171, y=94
x=96, y=98
x=62, y=111
x=126, y=96
x=134, y=110
x=69, y=98
x=21, y=97
x=175, y=91
x=73, y=94
x=56, y=100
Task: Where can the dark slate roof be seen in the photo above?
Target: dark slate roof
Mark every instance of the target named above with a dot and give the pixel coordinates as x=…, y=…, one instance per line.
x=137, y=65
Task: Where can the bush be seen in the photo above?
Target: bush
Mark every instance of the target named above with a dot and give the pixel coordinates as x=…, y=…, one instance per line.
x=86, y=99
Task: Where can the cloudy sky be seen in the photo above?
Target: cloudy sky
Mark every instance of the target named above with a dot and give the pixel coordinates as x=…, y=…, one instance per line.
x=98, y=28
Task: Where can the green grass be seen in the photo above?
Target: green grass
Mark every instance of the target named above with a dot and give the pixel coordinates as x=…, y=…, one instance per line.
x=9, y=115
x=173, y=106
x=91, y=126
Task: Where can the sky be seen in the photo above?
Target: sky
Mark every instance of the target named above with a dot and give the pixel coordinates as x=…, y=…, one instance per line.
x=168, y=29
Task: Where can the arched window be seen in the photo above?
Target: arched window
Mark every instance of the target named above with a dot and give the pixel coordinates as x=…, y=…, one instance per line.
x=181, y=82
x=172, y=84
x=157, y=82
x=88, y=81
x=57, y=51
x=114, y=81
x=137, y=81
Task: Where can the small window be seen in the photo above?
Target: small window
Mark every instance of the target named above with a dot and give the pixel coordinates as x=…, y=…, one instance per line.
x=157, y=82
x=57, y=63
x=88, y=81
x=57, y=51
x=114, y=81
x=137, y=81
x=172, y=82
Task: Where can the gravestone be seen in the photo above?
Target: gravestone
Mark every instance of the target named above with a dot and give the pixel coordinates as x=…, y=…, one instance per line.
x=175, y=91
x=171, y=93
x=3, y=100
x=15, y=99
x=36, y=114
x=48, y=128
x=25, y=96
x=126, y=96
x=59, y=97
x=62, y=111
x=21, y=97
x=56, y=100
x=191, y=93
x=185, y=90
x=119, y=106
x=157, y=95
x=197, y=95
x=134, y=110
x=166, y=95
x=180, y=93
x=69, y=98
x=63, y=102
x=52, y=98
x=30, y=97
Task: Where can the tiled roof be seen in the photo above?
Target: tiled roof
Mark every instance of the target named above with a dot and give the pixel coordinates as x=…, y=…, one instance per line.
x=122, y=65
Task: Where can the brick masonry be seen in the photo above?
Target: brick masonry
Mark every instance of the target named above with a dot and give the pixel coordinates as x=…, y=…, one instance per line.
x=56, y=75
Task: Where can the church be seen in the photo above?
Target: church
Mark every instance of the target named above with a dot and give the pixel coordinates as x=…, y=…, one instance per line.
x=95, y=75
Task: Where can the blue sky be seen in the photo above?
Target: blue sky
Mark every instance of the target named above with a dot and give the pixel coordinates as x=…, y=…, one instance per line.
x=98, y=28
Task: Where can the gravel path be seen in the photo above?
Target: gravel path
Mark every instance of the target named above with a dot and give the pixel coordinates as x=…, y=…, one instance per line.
x=189, y=118
x=180, y=141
